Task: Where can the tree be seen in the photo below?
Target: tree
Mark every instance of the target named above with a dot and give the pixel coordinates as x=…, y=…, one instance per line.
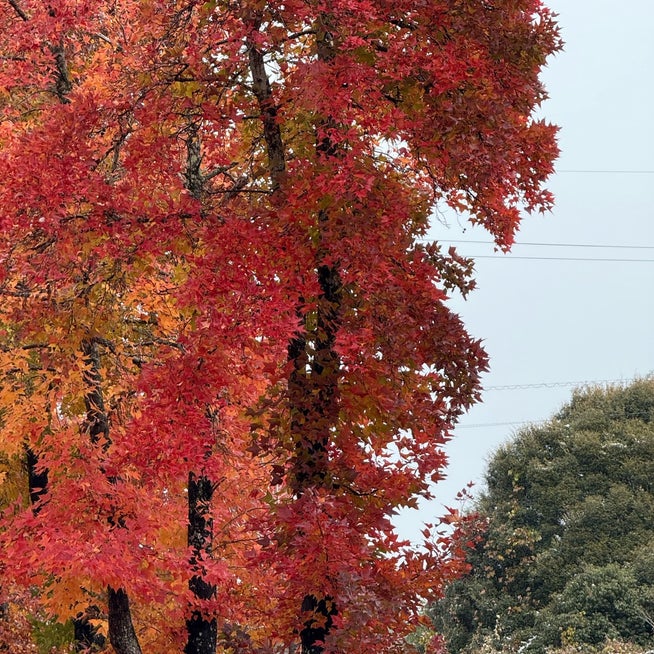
x=562, y=553
x=215, y=368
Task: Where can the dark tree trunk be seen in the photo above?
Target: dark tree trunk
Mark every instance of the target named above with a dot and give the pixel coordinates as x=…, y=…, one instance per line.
x=202, y=634
x=313, y=381
x=202, y=631
x=97, y=421
x=121, y=630
x=322, y=387
x=272, y=133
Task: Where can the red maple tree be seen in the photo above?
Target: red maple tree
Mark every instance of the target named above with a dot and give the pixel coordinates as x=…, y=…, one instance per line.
x=226, y=352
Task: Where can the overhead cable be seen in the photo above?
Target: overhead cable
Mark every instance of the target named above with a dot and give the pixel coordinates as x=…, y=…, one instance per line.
x=500, y=424
x=510, y=257
x=585, y=382
x=607, y=172
x=612, y=246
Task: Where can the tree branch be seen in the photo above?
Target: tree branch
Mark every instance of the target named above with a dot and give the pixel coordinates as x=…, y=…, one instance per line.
x=18, y=10
x=271, y=130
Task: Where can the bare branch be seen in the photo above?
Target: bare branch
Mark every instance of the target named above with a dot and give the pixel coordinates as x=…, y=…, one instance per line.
x=104, y=38
x=63, y=84
x=296, y=35
x=221, y=170
x=18, y=10
x=271, y=129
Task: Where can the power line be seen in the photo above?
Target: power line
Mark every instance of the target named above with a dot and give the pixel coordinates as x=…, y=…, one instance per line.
x=538, y=423
x=557, y=245
x=535, y=423
x=500, y=424
x=515, y=258
x=584, y=382
x=607, y=172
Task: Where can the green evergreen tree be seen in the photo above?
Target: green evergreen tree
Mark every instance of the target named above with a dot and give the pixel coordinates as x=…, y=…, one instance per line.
x=562, y=548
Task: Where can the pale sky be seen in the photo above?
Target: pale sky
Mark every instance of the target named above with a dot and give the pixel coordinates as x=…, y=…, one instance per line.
x=552, y=320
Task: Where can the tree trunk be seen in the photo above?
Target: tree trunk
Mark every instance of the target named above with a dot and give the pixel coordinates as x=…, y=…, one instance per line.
x=121, y=630
x=322, y=383
x=202, y=631
x=313, y=381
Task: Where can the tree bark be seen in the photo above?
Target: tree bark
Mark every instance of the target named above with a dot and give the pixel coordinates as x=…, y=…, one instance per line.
x=271, y=131
x=201, y=629
x=122, y=636
x=313, y=381
x=325, y=373
x=202, y=632
x=97, y=420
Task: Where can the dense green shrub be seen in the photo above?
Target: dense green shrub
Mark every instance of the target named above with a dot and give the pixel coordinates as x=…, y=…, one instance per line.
x=563, y=548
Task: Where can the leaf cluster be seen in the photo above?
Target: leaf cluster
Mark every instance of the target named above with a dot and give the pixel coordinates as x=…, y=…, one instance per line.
x=211, y=272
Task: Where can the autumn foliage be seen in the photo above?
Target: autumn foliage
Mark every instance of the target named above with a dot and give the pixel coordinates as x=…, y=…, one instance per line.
x=214, y=284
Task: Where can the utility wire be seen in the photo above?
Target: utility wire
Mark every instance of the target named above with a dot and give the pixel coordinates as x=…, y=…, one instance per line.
x=557, y=245
x=538, y=423
x=584, y=382
x=515, y=258
x=515, y=423
x=501, y=424
x=607, y=172
x=506, y=257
